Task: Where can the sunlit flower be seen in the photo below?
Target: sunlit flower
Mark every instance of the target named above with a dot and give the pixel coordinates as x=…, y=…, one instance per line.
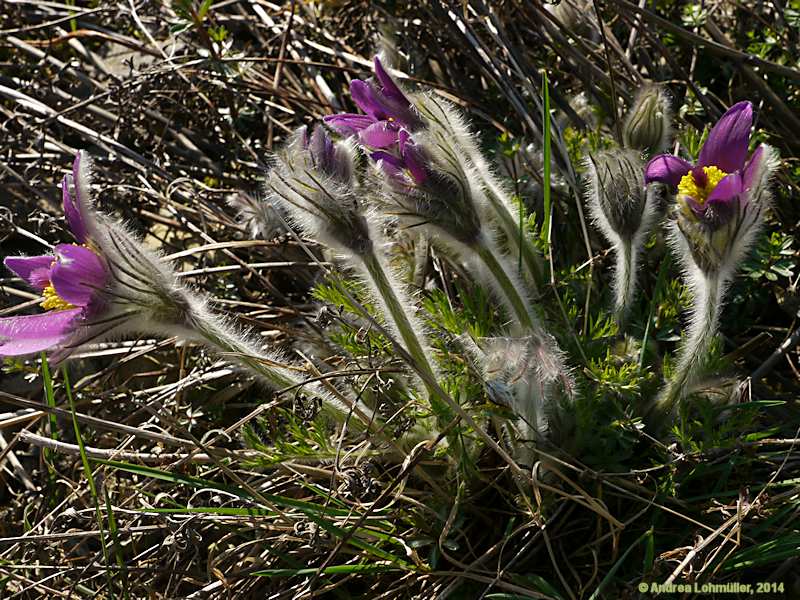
x=712, y=188
x=72, y=280
x=720, y=200
x=106, y=285
x=388, y=111
x=719, y=207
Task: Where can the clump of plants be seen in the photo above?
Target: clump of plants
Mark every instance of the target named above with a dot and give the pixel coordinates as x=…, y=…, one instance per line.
x=445, y=287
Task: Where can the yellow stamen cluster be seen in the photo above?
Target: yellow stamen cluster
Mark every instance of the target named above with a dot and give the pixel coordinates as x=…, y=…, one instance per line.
x=52, y=301
x=688, y=186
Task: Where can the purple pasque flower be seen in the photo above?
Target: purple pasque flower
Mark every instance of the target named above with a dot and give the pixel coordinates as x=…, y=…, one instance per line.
x=714, y=189
x=72, y=279
x=106, y=285
x=407, y=164
x=722, y=199
x=429, y=187
x=326, y=156
x=388, y=111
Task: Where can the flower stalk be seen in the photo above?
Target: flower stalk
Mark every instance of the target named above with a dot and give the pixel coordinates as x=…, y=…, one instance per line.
x=507, y=286
x=719, y=207
x=707, y=305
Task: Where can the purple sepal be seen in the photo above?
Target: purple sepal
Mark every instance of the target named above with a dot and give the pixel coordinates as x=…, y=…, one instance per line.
x=389, y=87
x=78, y=274
x=34, y=270
x=666, y=168
x=348, y=124
x=35, y=333
x=726, y=146
x=722, y=203
x=752, y=168
x=380, y=134
x=77, y=204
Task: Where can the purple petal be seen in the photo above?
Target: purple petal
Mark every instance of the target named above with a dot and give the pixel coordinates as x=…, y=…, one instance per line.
x=403, y=138
x=34, y=333
x=698, y=209
x=320, y=146
x=415, y=162
x=727, y=190
x=302, y=135
x=666, y=168
x=724, y=201
x=366, y=98
x=78, y=274
x=348, y=124
x=726, y=146
x=72, y=211
x=381, y=134
x=390, y=164
x=753, y=167
x=35, y=270
x=390, y=88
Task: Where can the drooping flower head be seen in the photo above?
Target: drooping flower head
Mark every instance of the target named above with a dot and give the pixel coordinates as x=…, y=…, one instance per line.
x=388, y=111
x=106, y=284
x=721, y=199
x=312, y=181
x=71, y=279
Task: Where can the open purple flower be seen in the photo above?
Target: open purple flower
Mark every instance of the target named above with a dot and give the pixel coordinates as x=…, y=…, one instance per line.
x=388, y=111
x=71, y=279
x=107, y=284
x=716, y=187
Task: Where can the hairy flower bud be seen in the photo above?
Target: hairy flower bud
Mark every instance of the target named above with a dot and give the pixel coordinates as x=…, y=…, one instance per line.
x=618, y=197
x=312, y=180
x=328, y=157
x=430, y=188
x=624, y=210
x=647, y=125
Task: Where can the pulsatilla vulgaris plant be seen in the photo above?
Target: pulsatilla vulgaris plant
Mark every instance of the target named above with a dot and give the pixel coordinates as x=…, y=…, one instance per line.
x=410, y=163
x=719, y=207
x=109, y=284
x=426, y=173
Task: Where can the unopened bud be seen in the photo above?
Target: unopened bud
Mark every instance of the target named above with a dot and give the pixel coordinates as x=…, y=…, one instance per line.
x=618, y=194
x=647, y=125
x=334, y=159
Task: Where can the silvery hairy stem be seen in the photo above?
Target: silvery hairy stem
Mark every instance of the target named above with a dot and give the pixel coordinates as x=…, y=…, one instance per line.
x=708, y=294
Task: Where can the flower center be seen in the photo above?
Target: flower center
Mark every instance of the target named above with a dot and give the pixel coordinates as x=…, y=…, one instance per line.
x=699, y=190
x=52, y=301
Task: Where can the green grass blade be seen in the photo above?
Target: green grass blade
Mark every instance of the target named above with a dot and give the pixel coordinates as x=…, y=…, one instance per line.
x=546, y=150
x=114, y=530
x=87, y=470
